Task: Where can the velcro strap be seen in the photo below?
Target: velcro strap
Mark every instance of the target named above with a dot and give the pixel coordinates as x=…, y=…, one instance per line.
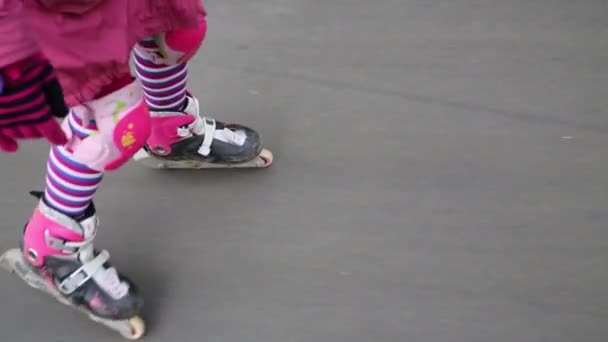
x=62, y=245
x=205, y=148
x=83, y=273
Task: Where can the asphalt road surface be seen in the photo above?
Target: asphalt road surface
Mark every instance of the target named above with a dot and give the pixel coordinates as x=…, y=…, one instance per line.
x=441, y=174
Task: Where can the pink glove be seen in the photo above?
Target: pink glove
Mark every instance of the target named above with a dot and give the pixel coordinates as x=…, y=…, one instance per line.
x=30, y=99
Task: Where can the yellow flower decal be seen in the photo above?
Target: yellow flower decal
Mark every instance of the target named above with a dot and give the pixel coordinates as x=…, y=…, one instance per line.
x=128, y=138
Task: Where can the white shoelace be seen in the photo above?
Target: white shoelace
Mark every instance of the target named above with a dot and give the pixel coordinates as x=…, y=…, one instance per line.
x=230, y=137
x=108, y=280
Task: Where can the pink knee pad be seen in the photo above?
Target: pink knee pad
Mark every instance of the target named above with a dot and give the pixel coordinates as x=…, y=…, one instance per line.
x=179, y=46
x=123, y=125
x=185, y=43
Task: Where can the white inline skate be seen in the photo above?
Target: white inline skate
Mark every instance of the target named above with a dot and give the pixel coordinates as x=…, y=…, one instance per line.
x=57, y=257
x=186, y=140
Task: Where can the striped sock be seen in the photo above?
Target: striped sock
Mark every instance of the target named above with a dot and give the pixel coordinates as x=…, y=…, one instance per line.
x=70, y=185
x=164, y=85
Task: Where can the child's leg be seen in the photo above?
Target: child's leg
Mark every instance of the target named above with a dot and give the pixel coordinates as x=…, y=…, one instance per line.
x=179, y=132
x=71, y=185
x=58, y=239
x=164, y=85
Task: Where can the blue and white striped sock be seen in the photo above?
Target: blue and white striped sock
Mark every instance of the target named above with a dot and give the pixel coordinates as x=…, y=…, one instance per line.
x=70, y=185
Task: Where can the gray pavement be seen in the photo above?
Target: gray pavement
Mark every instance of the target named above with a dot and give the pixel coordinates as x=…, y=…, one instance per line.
x=441, y=175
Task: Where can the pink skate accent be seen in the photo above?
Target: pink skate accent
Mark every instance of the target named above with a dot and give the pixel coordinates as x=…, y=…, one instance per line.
x=96, y=303
x=165, y=132
x=187, y=42
x=34, y=237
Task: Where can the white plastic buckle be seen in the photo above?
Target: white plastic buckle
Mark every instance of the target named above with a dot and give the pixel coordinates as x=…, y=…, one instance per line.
x=205, y=148
x=83, y=273
x=183, y=132
x=64, y=246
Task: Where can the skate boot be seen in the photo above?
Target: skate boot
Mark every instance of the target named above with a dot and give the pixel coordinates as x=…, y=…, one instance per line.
x=58, y=257
x=186, y=140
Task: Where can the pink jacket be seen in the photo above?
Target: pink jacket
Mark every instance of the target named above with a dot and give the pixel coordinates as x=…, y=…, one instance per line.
x=87, y=41
x=16, y=41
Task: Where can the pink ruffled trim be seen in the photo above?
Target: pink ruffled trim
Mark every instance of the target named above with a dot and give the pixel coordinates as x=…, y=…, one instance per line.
x=82, y=84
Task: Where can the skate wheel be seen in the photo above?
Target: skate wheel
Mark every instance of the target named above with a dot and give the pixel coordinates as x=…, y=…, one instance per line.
x=267, y=157
x=138, y=327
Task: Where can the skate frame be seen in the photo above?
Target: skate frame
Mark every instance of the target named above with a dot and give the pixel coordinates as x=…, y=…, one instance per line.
x=264, y=159
x=13, y=261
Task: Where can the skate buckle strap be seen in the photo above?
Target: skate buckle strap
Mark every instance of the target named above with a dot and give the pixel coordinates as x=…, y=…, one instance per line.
x=83, y=273
x=205, y=148
x=183, y=132
x=65, y=246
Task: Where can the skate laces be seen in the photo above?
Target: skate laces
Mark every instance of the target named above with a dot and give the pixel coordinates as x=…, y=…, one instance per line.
x=108, y=280
x=93, y=267
x=231, y=137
